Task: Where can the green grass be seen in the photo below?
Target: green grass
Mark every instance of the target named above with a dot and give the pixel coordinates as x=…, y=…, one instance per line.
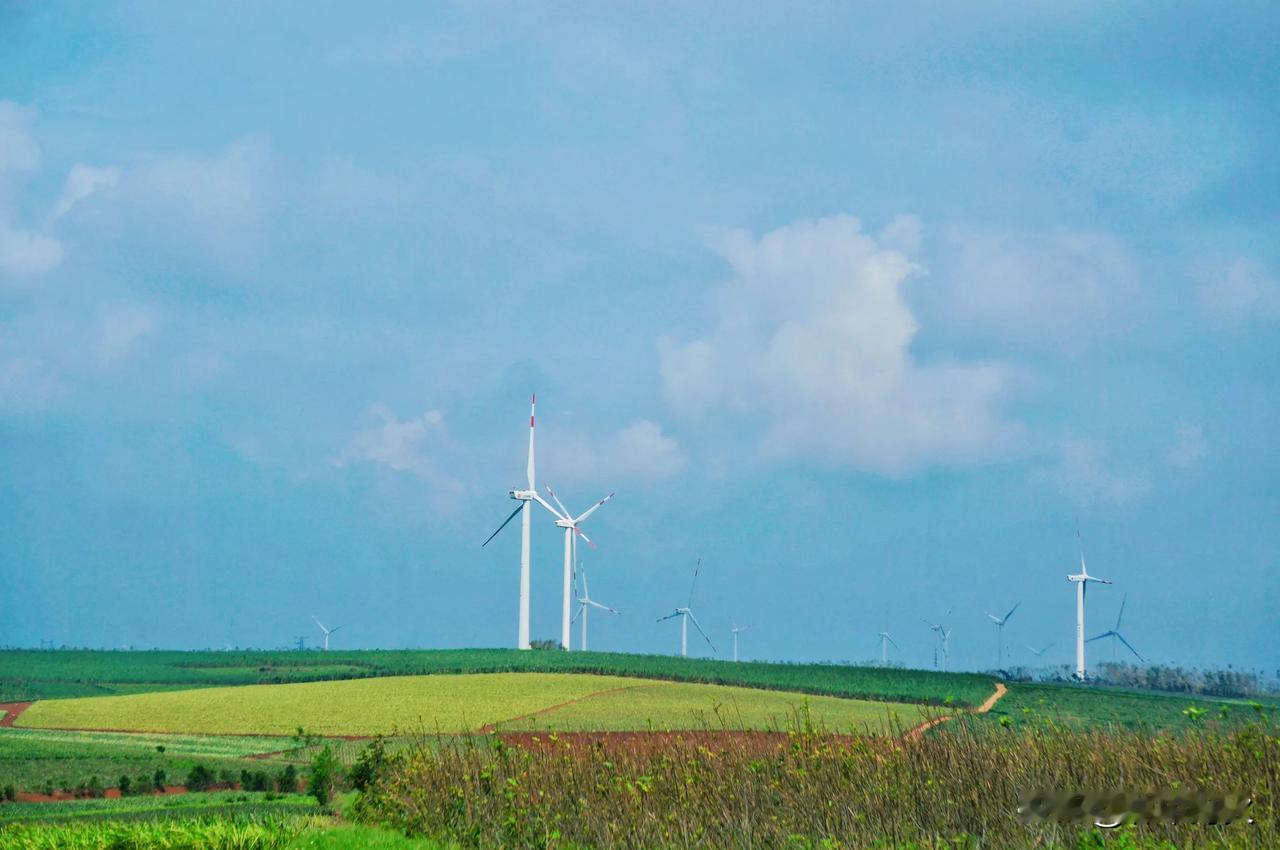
x=145, y=807
x=1074, y=705
x=662, y=706
x=451, y=704
x=357, y=837
x=47, y=674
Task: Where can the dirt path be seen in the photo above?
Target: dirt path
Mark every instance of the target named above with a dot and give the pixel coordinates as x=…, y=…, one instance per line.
x=11, y=712
x=914, y=733
x=492, y=727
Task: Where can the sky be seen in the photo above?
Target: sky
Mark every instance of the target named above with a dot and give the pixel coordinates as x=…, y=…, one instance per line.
x=868, y=308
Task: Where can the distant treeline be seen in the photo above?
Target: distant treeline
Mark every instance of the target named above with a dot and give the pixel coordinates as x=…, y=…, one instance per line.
x=1159, y=677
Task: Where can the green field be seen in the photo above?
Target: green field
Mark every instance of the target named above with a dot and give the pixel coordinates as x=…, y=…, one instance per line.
x=49, y=674
x=453, y=704
x=1098, y=707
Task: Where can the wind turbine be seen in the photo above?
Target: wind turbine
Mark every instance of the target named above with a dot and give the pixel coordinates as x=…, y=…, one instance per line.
x=1081, y=579
x=1039, y=652
x=585, y=601
x=686, y=614
x=327, y=632
x=524, y=497
x=1000, y=621
x=570, y=525
x=944, y=642
x=885, y=640
x=734, y=631
x=1115, y=635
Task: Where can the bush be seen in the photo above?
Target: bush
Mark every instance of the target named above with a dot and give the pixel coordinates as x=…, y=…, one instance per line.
x=93, y=788
x=370, y=764
x=199, y=779
x=10, y=793
x=287, y=781
x=125, y=784
x=159, y=780
x=324, y=776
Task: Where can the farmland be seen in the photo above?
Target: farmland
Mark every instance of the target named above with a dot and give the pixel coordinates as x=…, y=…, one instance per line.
x=32, y=674
x=454, y=704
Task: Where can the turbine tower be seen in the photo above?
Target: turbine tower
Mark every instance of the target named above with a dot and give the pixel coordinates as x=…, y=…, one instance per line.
x=734, y=631
x=585, y=601
x=327, y=632
x=524, y=497
x=1081, y=579
x=569, y=523
x=944, y=642
x=885, y=640
x=1115, y=635
x=686, y=614
x=1000, y=621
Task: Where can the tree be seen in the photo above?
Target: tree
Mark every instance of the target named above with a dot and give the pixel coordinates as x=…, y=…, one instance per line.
x=369, y=764
x=324, y=776
x=125, y=784
x=158, y=780
x=287, y=781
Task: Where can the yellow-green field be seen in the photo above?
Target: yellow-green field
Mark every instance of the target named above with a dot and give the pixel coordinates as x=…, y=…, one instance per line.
x=458, y=704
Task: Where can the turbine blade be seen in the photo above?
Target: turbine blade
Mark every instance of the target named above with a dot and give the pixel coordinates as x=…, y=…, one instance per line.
x=1120, y=616
x=697, y=626
x=669, y=616
x=594, y=508
x=504, y=524
x=1131, y=649
x=579, y=532
x=994, y=618
x=543, y=502
x=1099, y=637
x=533, y=404
x=318, y=623
x=563, y=510
x=596, y=604
x=892, y=641
x=1011, y=610
x=696, y=568
x=578, y=614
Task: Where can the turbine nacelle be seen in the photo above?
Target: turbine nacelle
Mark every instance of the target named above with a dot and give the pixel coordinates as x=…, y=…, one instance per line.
x=523, y=495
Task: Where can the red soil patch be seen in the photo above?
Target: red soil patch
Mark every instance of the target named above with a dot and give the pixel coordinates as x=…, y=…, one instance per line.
x=11, y=712
x=110, y=793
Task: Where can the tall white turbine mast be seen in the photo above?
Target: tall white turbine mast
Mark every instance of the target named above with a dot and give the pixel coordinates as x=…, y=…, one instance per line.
x=944, y=642
x=1000, y=621
x=584, y=602
x=686, y=614
x=1081, y=579
x=524, y=497
x=734, y=631
x=885, y=640
x=1115, y=635
x=327, y=632
x=569, y=523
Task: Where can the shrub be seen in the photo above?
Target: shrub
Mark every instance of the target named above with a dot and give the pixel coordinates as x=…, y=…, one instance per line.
x=10, y=793
x=125, y=784
x=370, y=764
x=159, y=780
x=287, y=781
x=324, y=776
x=199, y=779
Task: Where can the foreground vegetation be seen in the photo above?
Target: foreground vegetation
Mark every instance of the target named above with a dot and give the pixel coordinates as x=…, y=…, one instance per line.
x=954, y=789
x=50, y=674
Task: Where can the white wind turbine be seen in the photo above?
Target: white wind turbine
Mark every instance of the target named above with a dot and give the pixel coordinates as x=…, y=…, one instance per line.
x=584, y=602
x=734, y=631
x=944, y=642
x=885, y=640
x=1081, y=579
x=524, y=497
x=1115, y=635
x=570, y=525
x=686, y=614
x=327, y=632
x=1000, y=621
x=1039, y=652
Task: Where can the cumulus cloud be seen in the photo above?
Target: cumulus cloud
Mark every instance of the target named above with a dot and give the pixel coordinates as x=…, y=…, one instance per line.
x=1063, y=289
x=1239, y=293
x=83, y=181
x=408, y=446
x=812, y=335
x=639, y=451
x=1088, y=476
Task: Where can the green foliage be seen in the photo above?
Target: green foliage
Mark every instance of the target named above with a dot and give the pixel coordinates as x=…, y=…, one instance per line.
x=287, y=781
x=199, y=779
x=372, y=762
x=325, y=775
x=125, y=784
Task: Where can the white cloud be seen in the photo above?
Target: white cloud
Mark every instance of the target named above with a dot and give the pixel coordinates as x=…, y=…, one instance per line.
x=1189, y=447
x=28, y=385
x=1241, y=292
x=24, y=253
x=812, y=334
x=1062, y=289
x=408, y=446
x=1087, y=476
x=120, y=326
x=83, y=181
x=639, y=451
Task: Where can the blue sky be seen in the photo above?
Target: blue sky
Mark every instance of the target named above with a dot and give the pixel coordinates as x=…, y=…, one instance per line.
x=865, y=307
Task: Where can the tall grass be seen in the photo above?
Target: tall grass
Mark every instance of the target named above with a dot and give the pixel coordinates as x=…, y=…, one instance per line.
x=956, y=787
x=241, y=833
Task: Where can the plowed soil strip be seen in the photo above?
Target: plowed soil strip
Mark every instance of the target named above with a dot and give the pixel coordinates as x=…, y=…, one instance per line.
x=491, y=727
x=11, y=712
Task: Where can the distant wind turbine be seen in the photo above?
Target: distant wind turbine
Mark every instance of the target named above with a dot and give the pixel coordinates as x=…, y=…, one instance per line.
x=584, y=602
x=1081, y=579
x=327, y=632
x=686, y=614
x=569, y=523
x=524, y=497
x=1039, y=652
x=734, y=631
x=944, y=642
x=1115, y=635
x=885, y=640
x=1000, y=621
